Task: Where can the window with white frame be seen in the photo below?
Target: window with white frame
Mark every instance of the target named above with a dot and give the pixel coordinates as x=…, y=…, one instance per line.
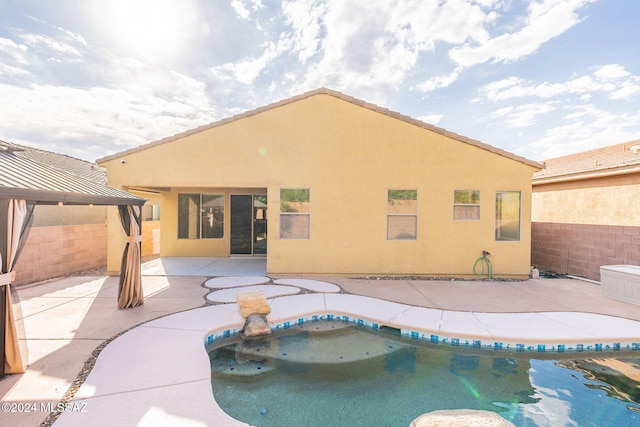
x=466, y=204
x=295, y=213
x=402, y=214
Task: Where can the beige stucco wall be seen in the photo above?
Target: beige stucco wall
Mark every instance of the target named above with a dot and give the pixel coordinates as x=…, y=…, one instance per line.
x=348, y=157
x=150, y=238
x=609, y=200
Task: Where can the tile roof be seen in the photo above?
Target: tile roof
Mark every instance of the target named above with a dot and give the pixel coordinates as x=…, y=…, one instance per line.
x=48, y=177
x=613, y=159
x=344, y=97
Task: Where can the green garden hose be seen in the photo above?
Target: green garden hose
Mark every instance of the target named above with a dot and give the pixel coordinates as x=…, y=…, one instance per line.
x=485, y=265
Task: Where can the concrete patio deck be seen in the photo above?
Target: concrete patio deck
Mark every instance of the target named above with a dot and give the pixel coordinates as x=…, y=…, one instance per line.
x=67, y=319
x=195, y=266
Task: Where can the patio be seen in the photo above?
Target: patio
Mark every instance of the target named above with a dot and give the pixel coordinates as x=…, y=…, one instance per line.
x=67, y=319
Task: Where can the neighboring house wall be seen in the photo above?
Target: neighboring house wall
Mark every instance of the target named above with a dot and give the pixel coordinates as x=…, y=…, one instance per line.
x=580, y=224
x=348, y=156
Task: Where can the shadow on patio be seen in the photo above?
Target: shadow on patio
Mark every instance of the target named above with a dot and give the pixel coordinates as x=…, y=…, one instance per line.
x=67, y=319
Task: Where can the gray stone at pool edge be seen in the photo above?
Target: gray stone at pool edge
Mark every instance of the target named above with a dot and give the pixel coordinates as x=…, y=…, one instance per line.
x=270, y=291
x=235, y=281
x=256, y=326
x=312, y=285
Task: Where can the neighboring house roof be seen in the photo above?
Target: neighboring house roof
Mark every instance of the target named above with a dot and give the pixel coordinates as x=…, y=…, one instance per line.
x=340, y=95
x=615, y=159
x=47, y=177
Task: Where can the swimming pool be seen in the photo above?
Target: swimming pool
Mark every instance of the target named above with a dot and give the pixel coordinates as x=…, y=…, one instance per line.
x=340, y=374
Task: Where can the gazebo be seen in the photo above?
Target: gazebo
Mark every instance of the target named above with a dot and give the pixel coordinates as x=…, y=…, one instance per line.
x=29, y=177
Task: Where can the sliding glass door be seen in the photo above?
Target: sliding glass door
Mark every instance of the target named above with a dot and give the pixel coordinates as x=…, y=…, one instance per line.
x=248, y=224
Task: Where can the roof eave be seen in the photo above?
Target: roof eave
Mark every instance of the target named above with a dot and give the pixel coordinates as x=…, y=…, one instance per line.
x=583, y=175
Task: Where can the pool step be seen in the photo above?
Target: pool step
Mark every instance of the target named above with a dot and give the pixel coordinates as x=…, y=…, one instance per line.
x=327, y=346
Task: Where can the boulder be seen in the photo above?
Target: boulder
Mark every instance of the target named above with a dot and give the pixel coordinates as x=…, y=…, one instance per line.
x=252, y=302
x=459, y=418
x=256, y=326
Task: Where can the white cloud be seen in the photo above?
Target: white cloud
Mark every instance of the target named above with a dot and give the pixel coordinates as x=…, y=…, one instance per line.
x=628, y=90
x=613, y=80
x=248, y=69
x=369, y=43
x=8, y=70
x=240, y=9
x=12, y=58
x=357, y=44
x=244, y=10
x=584, y=128
x=452, y=22
x=138, y=105
x=13, y=51
x=305, y=18
x=522, y=116
x=440, y=81
x=546, y=19
x=612, y=71
x=35, y=41
x=432, y=119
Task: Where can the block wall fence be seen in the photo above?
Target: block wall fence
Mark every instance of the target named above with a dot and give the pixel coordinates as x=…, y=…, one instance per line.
x=580, y=249
x=55, y=251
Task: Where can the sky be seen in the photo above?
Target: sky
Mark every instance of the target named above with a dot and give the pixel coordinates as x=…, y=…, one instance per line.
x=540, y=78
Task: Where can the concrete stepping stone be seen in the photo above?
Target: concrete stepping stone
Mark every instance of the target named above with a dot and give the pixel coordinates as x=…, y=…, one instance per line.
x=235, y=281
x=269, y=291
x=312, y=285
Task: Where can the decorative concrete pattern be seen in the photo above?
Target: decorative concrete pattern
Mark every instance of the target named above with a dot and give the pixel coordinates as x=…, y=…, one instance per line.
x=269, y=291
x=228, y=287
x=311, y=285
x=235, y=281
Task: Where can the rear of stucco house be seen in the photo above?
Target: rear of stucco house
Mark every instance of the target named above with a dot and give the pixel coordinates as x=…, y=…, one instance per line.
x=586, y=211
x=326, y=184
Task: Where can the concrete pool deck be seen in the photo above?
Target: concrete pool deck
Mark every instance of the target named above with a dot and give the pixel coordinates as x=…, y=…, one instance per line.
x=157, y=373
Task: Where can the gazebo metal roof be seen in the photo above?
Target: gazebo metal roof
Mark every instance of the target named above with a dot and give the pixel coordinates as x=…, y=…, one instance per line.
x=49, y=178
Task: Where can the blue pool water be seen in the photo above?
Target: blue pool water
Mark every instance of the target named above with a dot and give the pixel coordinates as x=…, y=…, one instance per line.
x=337, y=374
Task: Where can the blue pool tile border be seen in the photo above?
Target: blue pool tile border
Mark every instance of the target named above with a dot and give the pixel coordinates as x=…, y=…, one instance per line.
x=221, y=334
x=521, y=347
x=454, y=341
